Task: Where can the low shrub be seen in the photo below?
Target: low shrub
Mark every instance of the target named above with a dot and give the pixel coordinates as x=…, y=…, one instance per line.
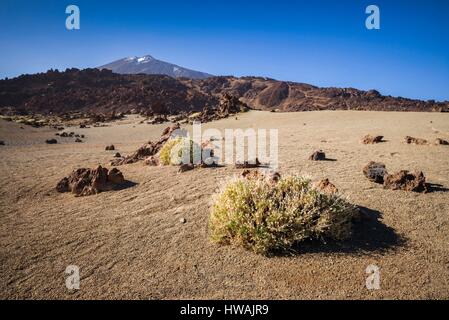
x=174, y=151
x=267, y=217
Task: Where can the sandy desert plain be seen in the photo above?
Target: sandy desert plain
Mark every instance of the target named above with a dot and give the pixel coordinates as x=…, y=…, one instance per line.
x=130, y=243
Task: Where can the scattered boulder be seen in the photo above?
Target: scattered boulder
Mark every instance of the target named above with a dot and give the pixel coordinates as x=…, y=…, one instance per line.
x=110, y=148
x=78, y=140
x=318, y=156
x=159, y=119
x=147, y=150
x=375, y=171
x=51, y=141
x=186, y=167
x=227, y=106
x=271, y=176
x=404, y=180
x=115, y=176
x=440, y=141
x=418, y=141
x=326, y=186
x=2, y=143
x=117, y=155
x=152, y=161
x=248, y=164
x=86, y=182
x=369, y=139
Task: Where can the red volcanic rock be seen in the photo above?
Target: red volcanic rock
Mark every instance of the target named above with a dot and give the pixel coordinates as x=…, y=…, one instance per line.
x=404, y=180
x=85, y=182
x=152, y=161
x=326, y=186
x=147, y=150
x=369, y=139
x=271, y=176
x=115, y=176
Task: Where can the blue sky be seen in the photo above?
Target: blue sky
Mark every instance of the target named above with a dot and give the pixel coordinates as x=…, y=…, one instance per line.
x=324, y=43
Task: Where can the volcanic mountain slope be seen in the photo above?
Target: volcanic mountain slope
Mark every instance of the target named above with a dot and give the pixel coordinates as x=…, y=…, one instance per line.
x=101, y=91
x=149, y=65
x=270, y=94
x=92, y=90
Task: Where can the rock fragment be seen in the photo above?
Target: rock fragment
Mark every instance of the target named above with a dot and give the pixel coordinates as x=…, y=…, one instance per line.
x=375, y=171
x=318, y=156
x=407, y=181
x=86, y=182
x=412, y=140
x=369, y=139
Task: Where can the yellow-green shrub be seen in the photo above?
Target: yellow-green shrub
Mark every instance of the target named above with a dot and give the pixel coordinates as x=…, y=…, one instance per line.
x=267, y=217
x=174, y=149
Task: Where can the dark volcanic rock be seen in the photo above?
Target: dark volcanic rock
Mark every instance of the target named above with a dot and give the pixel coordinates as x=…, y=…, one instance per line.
x=375, y=172
x=318, y=156
x=439, y=141
x=106, y=96
x=418, y=141
x=404, y=180
x=51, y=141
x=186, y=167
x=248, y=164
x=110, y=148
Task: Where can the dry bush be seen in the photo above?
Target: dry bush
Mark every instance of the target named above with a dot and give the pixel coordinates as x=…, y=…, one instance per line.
x=267, y=217
x=173, y=151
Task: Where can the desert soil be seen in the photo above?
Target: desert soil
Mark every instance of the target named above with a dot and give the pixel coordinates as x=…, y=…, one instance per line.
x=131, y=244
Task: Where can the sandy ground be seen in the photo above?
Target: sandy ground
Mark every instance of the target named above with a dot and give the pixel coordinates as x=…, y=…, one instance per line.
x=131, y=244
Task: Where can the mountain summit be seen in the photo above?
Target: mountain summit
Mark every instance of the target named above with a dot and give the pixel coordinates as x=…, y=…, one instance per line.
x=149, y=65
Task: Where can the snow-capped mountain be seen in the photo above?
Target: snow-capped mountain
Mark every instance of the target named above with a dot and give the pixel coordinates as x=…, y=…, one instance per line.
x=149, y=65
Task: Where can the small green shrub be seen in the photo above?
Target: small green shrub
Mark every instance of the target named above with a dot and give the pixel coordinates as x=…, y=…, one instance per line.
x=267, y=217
x=173, y=151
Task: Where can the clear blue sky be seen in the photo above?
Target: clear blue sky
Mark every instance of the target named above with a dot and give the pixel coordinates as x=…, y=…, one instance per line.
x=319, y=42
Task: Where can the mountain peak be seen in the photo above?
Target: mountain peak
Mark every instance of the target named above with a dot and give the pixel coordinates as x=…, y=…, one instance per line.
x=147, y=64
